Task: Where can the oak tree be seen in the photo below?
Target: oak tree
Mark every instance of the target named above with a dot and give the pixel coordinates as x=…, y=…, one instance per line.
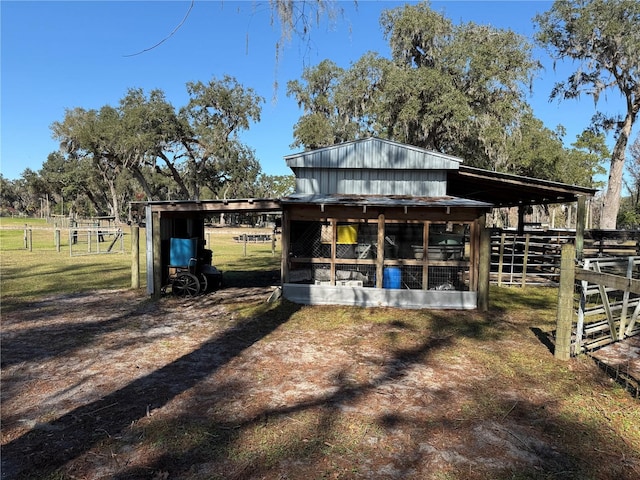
x=602, y=37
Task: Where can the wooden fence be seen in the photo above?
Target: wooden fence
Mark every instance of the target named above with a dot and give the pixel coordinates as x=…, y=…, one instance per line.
x=600, y=309
x=533, y=258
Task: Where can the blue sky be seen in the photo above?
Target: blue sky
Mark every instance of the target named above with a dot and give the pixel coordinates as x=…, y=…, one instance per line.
x=61, y=55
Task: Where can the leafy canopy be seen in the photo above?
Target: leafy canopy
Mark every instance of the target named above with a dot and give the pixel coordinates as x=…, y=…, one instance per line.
x=602, y=38
x=456, y=89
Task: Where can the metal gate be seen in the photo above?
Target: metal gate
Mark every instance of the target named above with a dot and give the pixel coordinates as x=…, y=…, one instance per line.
x=609, y=304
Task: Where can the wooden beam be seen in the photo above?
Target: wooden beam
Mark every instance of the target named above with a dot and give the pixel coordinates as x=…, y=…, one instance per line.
x=284, y=243
x=213, y=206
x=581, y=219
x=157, y=255
x=521, y=219
x=380, y=254
x=606, y=279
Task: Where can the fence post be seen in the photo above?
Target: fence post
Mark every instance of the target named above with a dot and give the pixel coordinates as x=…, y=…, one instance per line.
x=26, y=240
x=525, y=259
x=57, y=238
x=135, y=256
x=484, y=269
x=565, y=302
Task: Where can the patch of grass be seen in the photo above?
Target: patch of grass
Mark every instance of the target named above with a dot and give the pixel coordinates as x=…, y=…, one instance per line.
x=27, y=275
x=43, y=270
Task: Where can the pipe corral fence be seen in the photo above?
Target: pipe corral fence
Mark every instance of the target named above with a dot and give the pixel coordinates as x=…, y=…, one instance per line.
x=83, y=240
x=532, y=258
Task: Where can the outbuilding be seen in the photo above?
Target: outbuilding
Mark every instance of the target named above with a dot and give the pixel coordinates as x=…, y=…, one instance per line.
x=375, y=223
x=371, y=224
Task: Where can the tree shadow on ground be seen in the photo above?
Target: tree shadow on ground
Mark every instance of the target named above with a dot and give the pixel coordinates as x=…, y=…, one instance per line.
x=524, y=427
x=46, y=448
x=521, y=437
x=68, y=336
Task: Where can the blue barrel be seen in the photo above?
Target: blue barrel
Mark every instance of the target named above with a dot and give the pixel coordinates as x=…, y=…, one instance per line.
x=392, y=277
x=182, y=250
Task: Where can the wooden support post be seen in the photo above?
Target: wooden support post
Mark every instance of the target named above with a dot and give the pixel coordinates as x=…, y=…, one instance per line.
x=514, y=245
x=284, y=235
x=26, y=239
x=564, y=320
x=334, y=247
x=484, y=269
x=135, y=256
x=244, y=245
x=581, y=218
x=56, y=235
x=380, y=255
x=425, y=255
x=503, y=236
x=31, y=239
x=521, y=219
x=157, y=254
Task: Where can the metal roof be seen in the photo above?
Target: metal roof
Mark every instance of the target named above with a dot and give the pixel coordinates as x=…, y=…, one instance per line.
x=373, y=153
x=507, y=190
x=384, y=201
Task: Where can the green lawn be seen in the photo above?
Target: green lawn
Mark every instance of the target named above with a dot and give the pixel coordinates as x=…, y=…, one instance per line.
x=29, y=273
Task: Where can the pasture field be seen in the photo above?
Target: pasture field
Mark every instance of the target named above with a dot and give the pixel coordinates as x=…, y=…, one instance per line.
x=43, y=270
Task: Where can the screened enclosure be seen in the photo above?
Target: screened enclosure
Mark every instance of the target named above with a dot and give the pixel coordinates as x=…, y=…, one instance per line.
x=414, y=255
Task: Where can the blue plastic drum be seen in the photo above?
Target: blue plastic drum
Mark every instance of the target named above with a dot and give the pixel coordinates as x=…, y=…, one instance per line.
x=392, y=277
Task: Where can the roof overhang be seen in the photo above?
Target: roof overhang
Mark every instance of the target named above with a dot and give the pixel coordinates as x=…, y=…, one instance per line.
x=384, y=201
x=262, y=205
x=506, y=190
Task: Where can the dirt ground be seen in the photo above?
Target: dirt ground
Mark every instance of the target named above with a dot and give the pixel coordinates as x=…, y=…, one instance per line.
x=112, y=385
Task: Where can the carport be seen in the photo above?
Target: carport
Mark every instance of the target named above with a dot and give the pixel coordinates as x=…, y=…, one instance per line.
x=185, y=219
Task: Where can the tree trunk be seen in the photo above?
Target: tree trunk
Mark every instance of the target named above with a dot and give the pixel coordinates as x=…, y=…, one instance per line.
x=115, y=203
x=139, y=176
x=611, y=200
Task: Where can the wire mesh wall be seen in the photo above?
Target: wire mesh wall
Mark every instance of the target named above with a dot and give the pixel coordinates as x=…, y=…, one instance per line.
x=356, y=251
x=448, y=278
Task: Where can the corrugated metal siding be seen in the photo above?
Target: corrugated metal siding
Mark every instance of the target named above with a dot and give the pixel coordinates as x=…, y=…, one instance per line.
x=420, y=183
x=373, y=153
